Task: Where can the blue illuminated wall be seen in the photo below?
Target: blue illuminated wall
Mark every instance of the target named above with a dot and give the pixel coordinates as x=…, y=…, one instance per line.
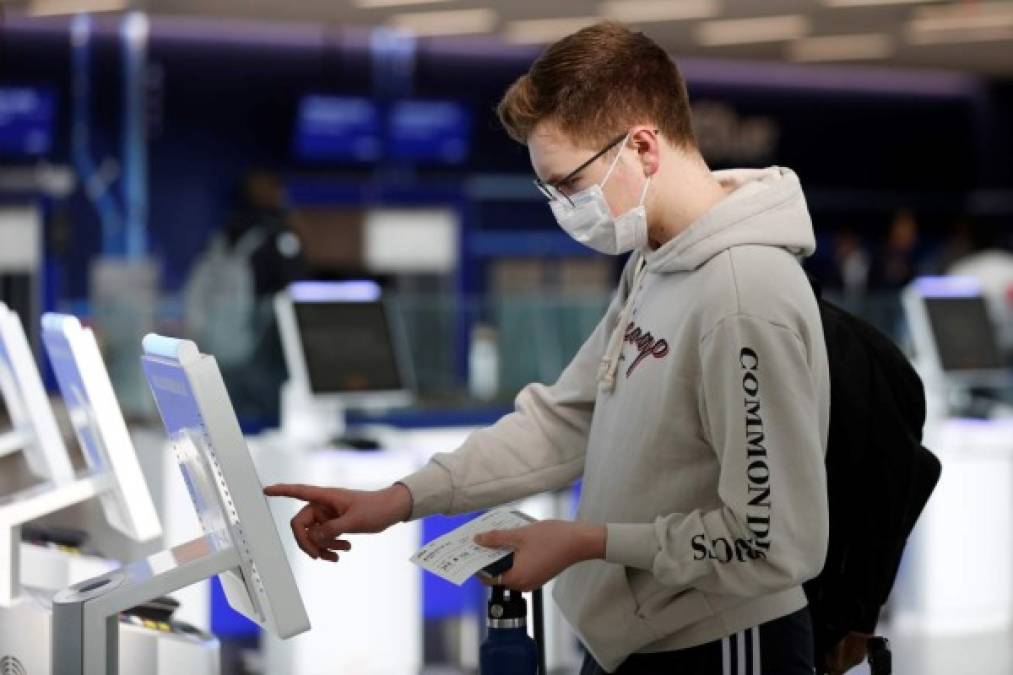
x=220, y=107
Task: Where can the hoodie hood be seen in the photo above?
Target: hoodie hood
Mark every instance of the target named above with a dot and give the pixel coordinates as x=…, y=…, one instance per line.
x=765, y=207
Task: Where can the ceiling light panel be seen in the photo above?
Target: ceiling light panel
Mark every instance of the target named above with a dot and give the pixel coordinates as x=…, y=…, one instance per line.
x=648, y=11
x=537, y=31
x=980, y=22
x=446, y=22
x=873, y=3
x=841, y=48
x=753, y=31
x=373, y=4
x=62, y=7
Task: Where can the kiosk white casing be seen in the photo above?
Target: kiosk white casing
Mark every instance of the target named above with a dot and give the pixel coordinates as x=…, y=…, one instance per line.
x=34, y=428
x=957, y=572
x=240, y=545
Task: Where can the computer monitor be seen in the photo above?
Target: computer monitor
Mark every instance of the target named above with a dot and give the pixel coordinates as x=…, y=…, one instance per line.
x=951, y=331
x=340, y=340
x=343, y=348
x=27, y=121
x=429, y=130
x=99, y=426
x=338, y=128
x=223, y=483
x=34, y=430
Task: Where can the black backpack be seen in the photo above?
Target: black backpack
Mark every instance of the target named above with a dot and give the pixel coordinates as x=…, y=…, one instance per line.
x=879, y=478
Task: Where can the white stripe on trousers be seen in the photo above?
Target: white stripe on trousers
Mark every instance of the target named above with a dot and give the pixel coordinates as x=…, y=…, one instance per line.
x=756, y=651
x=738, y=643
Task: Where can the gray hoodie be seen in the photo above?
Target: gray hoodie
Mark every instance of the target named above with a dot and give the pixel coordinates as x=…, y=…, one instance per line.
x=696, y=414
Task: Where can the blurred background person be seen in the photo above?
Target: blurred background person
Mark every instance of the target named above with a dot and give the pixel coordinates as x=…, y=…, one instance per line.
x=228, y=298
x=898, y=254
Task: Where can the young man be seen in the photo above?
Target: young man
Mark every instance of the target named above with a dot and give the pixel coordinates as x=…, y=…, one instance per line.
x=696, y=413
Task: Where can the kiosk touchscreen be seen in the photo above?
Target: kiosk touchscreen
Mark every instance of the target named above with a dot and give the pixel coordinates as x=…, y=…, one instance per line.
x=952, y=335
x=98, y=424
x=35, y=569
x=240, y=543
x=33, y=427
x=223, y=483
x=971, y=431
x=343, y=347
x=35, y=433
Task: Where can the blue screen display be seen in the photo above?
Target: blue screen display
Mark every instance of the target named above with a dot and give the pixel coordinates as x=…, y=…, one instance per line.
x=80, y=408
x=26, y=121
x=338, y=128
x=355, y=129
x=429, y=130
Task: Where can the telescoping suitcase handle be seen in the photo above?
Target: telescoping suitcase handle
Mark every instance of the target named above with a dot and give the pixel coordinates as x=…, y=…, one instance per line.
x=490, y=572
x=877, y=652
x=880, y=659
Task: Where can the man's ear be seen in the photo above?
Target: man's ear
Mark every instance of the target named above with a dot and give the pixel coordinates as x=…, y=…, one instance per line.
x=648, y=146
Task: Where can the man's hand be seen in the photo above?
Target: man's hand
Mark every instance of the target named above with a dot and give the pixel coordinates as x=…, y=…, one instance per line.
x=544, y=549
x=332, y=512
x=848, y=653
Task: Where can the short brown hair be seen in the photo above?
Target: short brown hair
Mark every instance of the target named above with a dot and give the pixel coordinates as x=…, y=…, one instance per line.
x=596, y=83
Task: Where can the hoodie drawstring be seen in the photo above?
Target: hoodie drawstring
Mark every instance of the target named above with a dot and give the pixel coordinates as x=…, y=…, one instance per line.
x=609, y=366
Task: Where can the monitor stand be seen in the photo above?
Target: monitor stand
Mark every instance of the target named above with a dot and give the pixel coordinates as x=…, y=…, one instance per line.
x=13, y=440
x=949, y=396
x=85, y=623
x=310, y=419
x=29, y=504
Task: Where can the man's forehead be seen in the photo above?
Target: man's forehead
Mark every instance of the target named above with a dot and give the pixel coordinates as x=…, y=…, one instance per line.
x=551, y=151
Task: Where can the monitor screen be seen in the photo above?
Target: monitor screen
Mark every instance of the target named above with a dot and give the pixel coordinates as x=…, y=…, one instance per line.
x=26, y=121
x=338, y=128
x=964, y=335
x=222, y=481
x=34, y=426
x=99, y=425
x=436, y=131
x=349, y=347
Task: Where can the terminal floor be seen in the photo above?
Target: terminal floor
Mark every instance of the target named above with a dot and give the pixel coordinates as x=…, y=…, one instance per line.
x=974, y=654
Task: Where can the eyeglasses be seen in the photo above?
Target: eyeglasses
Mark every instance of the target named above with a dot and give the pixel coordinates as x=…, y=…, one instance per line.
x=552, y=192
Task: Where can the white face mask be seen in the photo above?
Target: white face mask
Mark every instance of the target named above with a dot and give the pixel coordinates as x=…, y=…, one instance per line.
x=589, y=220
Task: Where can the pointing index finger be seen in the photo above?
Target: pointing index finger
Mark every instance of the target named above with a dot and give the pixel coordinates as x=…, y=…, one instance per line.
x=306, y=493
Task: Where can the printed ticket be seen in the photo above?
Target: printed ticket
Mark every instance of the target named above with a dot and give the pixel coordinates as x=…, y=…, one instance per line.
x=456, y=557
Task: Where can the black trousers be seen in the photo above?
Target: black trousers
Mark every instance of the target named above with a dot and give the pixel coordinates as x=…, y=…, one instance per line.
x=780, y=647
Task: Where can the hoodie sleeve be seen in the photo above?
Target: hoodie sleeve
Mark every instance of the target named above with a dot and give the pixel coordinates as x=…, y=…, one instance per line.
x=538, y=447
x=761, y=408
